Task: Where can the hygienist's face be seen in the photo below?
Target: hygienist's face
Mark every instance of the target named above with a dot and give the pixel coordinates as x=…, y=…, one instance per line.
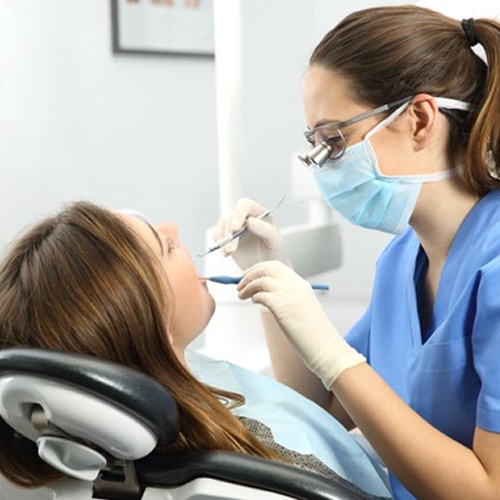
x=327, y=98
x=194, y=306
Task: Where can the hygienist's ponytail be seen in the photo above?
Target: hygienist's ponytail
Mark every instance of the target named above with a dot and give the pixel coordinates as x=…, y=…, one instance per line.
x=483, y=149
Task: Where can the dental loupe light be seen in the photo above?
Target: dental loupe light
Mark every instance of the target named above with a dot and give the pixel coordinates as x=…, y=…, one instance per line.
x=316, y=156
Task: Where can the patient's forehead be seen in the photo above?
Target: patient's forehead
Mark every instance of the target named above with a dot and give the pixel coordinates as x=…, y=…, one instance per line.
x=143, y=229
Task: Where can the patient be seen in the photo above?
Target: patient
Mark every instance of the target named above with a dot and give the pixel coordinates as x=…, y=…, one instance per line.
x=108, y=284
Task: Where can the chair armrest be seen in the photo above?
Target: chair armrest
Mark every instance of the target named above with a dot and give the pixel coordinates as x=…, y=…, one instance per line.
x=259, y=473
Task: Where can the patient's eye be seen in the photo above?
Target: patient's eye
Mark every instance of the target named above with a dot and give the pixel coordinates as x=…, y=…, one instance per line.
x=171, y=244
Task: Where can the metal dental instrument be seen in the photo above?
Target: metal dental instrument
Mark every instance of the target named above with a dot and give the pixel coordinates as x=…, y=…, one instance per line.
x=234, y=280
x=240, y=231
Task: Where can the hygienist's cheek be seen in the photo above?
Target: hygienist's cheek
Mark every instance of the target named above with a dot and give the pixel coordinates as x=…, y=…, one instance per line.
x=391, y=152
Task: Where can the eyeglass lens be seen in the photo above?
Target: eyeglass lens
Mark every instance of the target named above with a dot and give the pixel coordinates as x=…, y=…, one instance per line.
x=331, y=137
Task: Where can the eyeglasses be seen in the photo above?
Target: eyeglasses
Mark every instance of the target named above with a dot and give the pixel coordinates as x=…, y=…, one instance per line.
x=328, y=141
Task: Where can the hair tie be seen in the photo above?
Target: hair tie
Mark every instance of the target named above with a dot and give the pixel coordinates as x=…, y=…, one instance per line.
x=470, y=32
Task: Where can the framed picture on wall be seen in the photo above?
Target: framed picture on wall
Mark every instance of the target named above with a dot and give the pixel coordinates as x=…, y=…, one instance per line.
x=183, y=27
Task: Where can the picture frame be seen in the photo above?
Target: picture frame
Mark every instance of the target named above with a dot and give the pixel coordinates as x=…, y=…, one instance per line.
x=170, y=27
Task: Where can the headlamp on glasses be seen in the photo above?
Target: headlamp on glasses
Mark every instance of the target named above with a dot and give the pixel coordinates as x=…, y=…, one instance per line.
x=328, y=141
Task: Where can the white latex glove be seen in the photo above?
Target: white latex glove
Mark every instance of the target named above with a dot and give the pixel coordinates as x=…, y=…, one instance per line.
x=302, y=318
x=261, y=242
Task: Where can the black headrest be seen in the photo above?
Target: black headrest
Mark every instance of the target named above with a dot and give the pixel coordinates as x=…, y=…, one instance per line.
x=122, y=386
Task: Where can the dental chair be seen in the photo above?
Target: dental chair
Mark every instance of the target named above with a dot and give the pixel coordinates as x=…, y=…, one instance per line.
x=99, y=423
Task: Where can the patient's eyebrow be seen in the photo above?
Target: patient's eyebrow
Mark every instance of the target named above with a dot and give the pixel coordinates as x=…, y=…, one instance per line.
x=155, y=233
x=157, y=236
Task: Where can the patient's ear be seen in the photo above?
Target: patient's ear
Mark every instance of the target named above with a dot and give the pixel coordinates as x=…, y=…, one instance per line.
x=171, y=339
x=175, y=348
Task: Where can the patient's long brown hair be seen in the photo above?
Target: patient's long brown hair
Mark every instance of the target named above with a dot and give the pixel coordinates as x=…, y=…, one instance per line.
x=83, y=282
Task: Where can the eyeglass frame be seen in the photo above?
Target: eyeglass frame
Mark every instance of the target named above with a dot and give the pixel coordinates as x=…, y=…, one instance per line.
x=308, y=134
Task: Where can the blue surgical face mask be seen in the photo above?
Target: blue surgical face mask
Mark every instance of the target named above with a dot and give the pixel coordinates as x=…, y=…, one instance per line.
x=354, y=186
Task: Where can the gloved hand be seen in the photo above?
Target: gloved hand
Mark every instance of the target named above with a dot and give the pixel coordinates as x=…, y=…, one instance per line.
x=301, y=317
x=261, y=242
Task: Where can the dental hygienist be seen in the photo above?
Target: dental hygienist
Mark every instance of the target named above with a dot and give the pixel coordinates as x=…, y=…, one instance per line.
x=404, y=126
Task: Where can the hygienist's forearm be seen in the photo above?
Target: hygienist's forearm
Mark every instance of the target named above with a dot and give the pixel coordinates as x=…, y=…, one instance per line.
x=289, y=369
x=429, y=463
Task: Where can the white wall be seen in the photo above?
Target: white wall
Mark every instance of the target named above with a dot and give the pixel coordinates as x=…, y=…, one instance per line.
x=79, y=122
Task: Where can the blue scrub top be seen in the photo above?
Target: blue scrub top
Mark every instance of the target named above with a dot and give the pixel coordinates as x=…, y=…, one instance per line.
x=451, y=379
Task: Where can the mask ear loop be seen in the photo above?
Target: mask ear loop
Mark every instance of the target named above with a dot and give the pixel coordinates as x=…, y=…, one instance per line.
x=436, y=176
x=442, y=102
x=388, y=120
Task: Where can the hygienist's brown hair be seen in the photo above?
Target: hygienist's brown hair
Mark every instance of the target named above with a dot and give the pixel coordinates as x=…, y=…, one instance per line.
x=388, y=53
